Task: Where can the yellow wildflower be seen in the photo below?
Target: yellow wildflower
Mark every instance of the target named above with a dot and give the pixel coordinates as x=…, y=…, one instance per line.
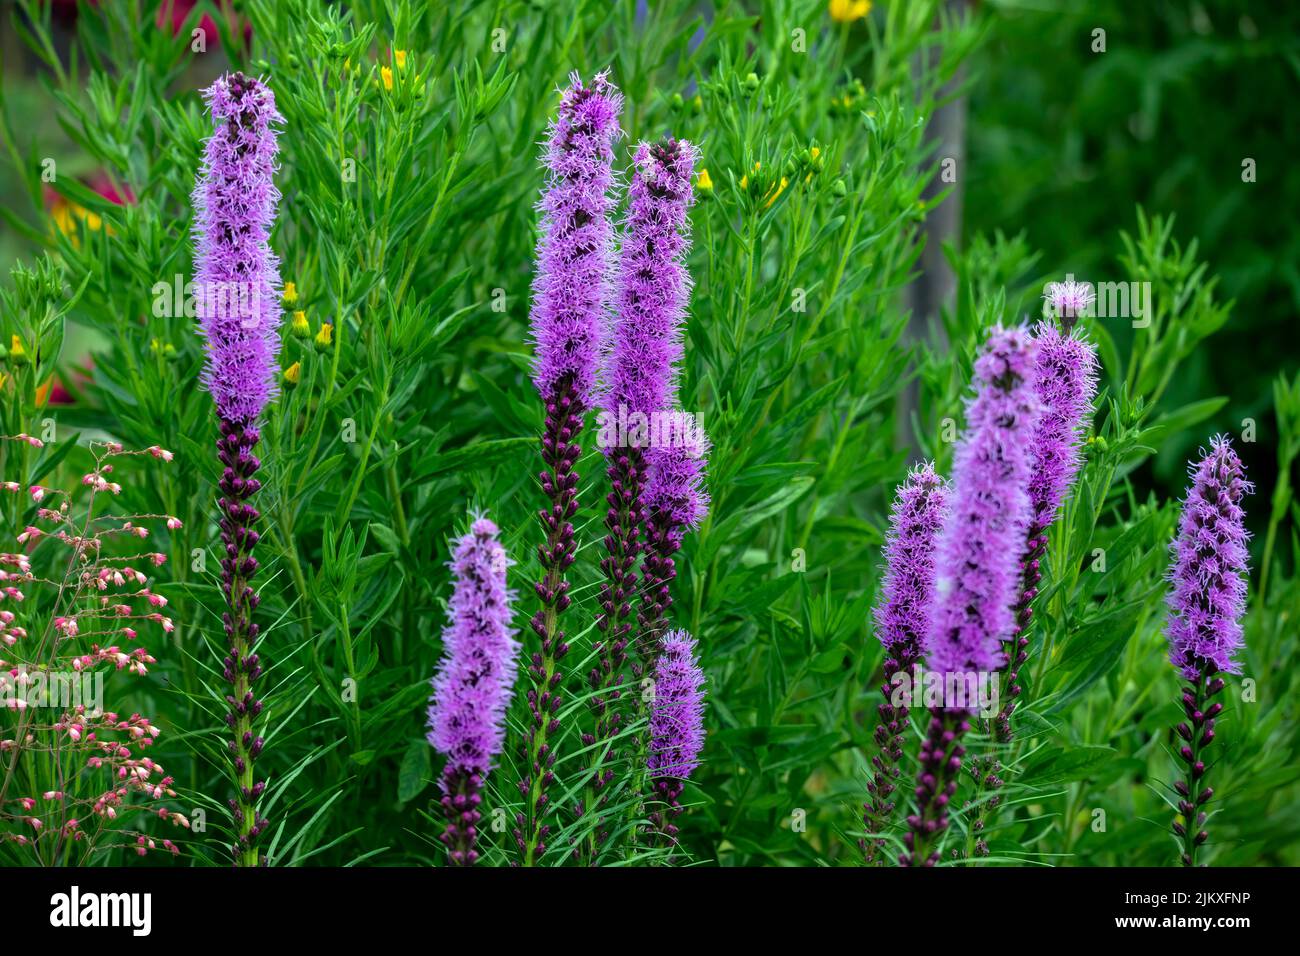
x=387, y=76
x=846, y=11
x=399, y=57
x=300, y=327
x=292, y=374
x=704, y=183
x=290, y=293
x=325, y=337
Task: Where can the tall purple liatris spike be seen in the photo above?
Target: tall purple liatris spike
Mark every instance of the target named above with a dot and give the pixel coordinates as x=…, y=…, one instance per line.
x=676, y=727
x=1206, y=603
x=238, y=284
x=1067, y=385
x=977, y=565
x=650, y=306
x=569, y=318
x=915, y=522
x=472, y=688
x=675, y=501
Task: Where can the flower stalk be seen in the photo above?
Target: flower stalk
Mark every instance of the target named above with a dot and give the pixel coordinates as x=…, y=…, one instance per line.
x=568, y=326
x=237, y=275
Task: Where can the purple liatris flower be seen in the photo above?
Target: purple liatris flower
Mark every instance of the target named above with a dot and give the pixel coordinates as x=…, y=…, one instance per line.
x=569, y=317
x=675, y=501
x=1066, y=387
x=238, y=308
x=902, y=616
x=575, y=252
x=653, y=284
x=1209, y=569
x=472, y=688
x=1206, y=604
x=979, y=550
x=676, y=726
x=978, y=564
x=235, y=271
x=650, y=306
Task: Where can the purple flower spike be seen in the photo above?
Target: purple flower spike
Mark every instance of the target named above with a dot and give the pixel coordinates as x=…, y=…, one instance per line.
x=674, y=501
x=1209, y=567
x=978, y=564
x=676, y=727
x=238, y=284
x=650, y=305
x=1067, y=385
x=1204, y=627
x=653, y=283
x=979, y=551
x=915, y=522
x=575, y=253
x=569, y=316
x=472, y=688
x=236, y=272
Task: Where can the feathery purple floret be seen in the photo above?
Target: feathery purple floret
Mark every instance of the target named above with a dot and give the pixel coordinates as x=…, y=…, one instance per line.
x=979, y=551
x=1067, y=385
x=915, y=522
x=674, y=488
x=1070, y=300
x=677, y=713
x=236, y=272
x=472, y=688
x=1209, y=566
x=653, y=283
x=575, y=252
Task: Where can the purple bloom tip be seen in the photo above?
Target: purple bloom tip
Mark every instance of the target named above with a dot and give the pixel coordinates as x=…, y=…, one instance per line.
x=653, y=284
x=1208, y=575
x=472, y=688
x=1067, y=385
x=236, y=272
x=915, y=522
x=677, y=712
x=575, y=250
